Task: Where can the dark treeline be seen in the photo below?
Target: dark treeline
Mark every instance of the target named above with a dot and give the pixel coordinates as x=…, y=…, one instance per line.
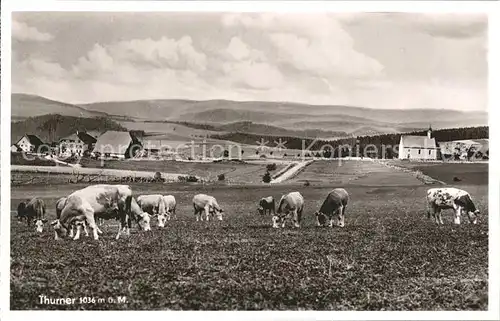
x=368, y=146
x=53, y=127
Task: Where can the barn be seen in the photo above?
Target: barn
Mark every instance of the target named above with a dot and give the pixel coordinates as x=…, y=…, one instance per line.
x=418, y=147
x=117, y=145
x=28, y=143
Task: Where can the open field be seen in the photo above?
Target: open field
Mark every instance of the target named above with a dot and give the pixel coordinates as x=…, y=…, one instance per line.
x=389, y=256
x=468, y=173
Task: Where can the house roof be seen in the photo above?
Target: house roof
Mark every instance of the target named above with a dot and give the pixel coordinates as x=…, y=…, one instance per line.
x=113, y=142
x=418, y=141
x=33, y=139
x=93, y=133
x=84, y=137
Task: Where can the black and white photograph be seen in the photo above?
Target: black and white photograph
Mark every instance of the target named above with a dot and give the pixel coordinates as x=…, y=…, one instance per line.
x=263, y=160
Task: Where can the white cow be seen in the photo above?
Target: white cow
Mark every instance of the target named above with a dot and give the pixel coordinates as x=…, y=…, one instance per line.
x=207, y=204
x=292, y=203
x=154, y=205
x=107, y=201
x=450, y=198
x=59, y=207
x=170, y=204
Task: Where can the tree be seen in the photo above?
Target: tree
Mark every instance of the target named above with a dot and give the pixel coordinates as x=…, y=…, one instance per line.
x=267, y=177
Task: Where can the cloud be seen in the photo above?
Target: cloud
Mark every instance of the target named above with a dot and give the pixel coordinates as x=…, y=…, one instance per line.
x=313, y=44
x=455, y=26
x=23, y=32
x=308, y=58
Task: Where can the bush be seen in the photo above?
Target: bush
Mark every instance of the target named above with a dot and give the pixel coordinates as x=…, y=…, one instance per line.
x=189, y=179
x=306, y=183
x=158, y=178
x=221, y=177
x=271, y=167
x=266, y=178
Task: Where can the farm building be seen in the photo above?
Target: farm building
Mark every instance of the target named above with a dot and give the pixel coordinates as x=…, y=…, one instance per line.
x=156, y=147
x=27, y=143
x=115, y=144
x=77, y=144
x=418, y=147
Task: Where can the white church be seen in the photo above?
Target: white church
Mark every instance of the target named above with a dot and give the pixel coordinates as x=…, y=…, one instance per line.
x=418, y=147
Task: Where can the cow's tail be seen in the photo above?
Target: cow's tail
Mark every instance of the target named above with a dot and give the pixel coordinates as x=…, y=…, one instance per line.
x=128, y=205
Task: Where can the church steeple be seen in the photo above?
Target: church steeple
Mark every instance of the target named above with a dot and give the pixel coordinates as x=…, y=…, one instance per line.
x=429, y=132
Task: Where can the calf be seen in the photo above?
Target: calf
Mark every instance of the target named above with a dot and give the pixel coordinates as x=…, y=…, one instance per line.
x=208, y=204
x=266, y=204
x=292, y=203
x=334, y=204
x=33, y=210
x=450, y=198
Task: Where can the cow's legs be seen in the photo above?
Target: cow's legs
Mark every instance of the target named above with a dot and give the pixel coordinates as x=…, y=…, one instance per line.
x=89, y=216
x=207, y=212
x=296, y=218
x=123, y=223
x=439, y=217
x=341, y=216
x=71, y=231
x=78, y=230
x=86, y=231
x=458, y=211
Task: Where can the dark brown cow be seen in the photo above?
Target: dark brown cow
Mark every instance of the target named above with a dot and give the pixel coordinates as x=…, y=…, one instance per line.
x=33, y=210
x=334, y=204
x=266, y=205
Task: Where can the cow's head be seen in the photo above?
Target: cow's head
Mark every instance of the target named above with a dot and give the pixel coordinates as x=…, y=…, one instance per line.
x=473, y=215
x=39, y=225
x=260, y=209
x=59, y=229
x=218, y=213
x=321, y=219
x=145, y=221
x=162, y=219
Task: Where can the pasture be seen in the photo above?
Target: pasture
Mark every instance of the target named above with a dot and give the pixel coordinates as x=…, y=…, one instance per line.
x=389, y=256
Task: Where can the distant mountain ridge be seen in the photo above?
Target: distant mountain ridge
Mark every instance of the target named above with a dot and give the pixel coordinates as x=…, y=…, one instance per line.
x=286, y=116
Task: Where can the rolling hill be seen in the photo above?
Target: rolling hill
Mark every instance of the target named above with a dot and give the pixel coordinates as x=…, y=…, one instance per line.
x=276, y=118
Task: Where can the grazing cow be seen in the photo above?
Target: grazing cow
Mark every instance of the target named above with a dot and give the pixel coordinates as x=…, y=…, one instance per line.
x=21, y=211
x=291, y=203
x=170, y=205
x=203, y=202
x=33, y=210
x=334, y=204
x=154, y=205
x=107, y=201
x=450, y=198
x=266, y=204
x=59, y=207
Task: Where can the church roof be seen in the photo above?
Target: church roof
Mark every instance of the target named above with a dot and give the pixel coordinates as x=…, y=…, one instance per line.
x=418, y=142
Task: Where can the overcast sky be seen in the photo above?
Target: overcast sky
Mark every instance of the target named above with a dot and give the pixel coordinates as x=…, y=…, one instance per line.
x=371, y=60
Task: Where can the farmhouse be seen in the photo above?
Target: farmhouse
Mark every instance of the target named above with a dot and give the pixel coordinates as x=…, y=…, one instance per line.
x=27, y=143
x=76, y=144
x=418, y=147
x=115, y=144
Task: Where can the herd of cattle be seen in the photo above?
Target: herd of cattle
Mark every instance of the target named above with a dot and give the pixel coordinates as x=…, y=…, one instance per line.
x=104, y=202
